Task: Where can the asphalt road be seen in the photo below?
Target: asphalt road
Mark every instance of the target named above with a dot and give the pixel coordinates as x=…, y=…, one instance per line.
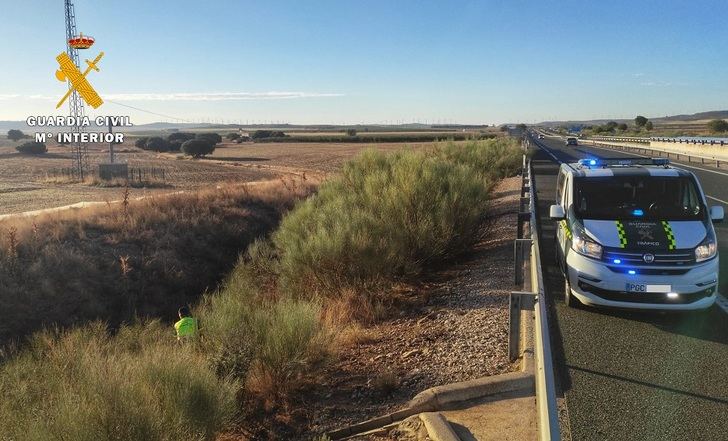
x=632, y=375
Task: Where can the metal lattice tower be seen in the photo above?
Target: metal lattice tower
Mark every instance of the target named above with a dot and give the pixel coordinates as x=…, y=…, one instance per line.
x=75, y=103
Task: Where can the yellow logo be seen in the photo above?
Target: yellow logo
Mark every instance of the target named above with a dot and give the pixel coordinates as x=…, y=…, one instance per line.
x=69, y=72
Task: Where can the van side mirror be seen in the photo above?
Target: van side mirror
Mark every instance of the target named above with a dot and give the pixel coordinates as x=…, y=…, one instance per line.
x=716, y=213
x=557, y=212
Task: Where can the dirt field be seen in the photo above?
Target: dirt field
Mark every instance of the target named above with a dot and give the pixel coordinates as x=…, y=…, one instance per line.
x=24, y=184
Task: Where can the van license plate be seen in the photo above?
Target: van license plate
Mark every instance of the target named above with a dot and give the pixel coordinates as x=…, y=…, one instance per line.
x=643, y=287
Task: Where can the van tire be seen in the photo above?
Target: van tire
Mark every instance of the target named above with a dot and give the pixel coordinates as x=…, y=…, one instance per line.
x=569, y=299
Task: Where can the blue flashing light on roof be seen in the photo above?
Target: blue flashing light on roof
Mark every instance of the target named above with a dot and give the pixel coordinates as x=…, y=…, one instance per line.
x=588, y=162
x=617, y=261
x=623, y=162
x=632, y=272
x=638, y=212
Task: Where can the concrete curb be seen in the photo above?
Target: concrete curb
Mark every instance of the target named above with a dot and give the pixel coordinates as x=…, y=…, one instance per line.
x=438, y=429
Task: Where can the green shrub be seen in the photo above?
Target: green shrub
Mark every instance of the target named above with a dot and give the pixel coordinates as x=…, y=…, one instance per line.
x=180, y=137
x=262, y=134
x=156, y=144
x=87, y=385
x=718, y=126
x=141, y=142
x=16, y=135
x=271, y=344
x=32, y=148
x=388, y=216
x=197, y=147
x=212, y=138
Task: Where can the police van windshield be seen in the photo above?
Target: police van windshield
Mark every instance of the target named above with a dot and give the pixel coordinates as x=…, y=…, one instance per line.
x=637, y=197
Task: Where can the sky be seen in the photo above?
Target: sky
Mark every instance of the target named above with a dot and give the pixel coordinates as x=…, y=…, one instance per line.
x=391, y=61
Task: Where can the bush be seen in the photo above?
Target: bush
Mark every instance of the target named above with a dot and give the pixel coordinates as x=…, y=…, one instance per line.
x=197, y=147
x=718, y=126
x=212, y=138
x=32, y=148
x=232, y=136
x=157, y=144
x=640, y=121
x=87, y=385
x=180, y=137
x=351, y=132
x=141, y=143
x=388, y=216
x=15, y=135
x=262, y=134
x=270, y=345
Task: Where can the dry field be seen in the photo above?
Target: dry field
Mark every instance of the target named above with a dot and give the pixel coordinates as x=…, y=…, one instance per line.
x=24, y=185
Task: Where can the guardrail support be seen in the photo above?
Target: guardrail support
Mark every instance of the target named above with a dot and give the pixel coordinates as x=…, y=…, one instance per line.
x=519, y=301
x=521, y=250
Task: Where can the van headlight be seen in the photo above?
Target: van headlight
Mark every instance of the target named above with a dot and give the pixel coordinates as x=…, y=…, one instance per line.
x=706, y=250
x=586, y=247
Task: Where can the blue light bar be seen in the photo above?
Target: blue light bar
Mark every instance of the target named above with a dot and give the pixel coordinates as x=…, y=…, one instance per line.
x=588, y=162
x=638, y=212
x=632, y=272
x=617, y=261
x=624, y=162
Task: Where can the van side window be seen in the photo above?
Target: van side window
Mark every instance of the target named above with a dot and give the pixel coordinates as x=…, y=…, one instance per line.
x=560, y=187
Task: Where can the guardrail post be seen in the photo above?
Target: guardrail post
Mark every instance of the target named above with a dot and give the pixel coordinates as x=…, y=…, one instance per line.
x=518, y=302
x=521, y=249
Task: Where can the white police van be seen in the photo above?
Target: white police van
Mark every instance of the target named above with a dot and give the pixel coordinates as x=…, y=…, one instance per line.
x=635, y=233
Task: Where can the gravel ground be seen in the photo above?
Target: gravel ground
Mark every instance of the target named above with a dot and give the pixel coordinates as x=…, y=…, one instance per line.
x=458, y=332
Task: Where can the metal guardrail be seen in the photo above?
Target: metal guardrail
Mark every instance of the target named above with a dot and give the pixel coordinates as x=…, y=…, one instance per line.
x=696, y=141
x=659, y=152
x=547, y=412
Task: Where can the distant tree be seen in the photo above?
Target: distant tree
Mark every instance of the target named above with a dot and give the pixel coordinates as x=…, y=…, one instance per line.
x=15, y=135
x=262, y=134
x=141, y=142
x=503, y=128
x=718, y=126
x=640, y=121
x=180, y=136
x=611, y=125
x=212, y=138
x=649, y=125
x=198, y=147
x=32, y=148
x=351, y=132
x=521, y=126
x=622, y=127
x=157, y=144
x=232, y=136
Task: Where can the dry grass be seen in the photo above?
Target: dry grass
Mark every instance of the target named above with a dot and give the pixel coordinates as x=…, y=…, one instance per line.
x=137, y=258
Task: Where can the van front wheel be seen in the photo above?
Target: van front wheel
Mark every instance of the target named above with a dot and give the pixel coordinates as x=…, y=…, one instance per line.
x=569, y=299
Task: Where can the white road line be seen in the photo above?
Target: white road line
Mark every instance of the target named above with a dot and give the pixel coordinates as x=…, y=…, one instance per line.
x=716, y=199
x=547, y=150
x=722, y=302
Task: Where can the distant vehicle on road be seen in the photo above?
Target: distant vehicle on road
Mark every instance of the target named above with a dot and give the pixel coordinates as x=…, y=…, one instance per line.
x=571, y=141
x=540, y=136
x=635, y=233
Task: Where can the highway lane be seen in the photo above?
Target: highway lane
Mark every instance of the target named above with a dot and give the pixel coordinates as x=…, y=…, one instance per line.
x=632, y=375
